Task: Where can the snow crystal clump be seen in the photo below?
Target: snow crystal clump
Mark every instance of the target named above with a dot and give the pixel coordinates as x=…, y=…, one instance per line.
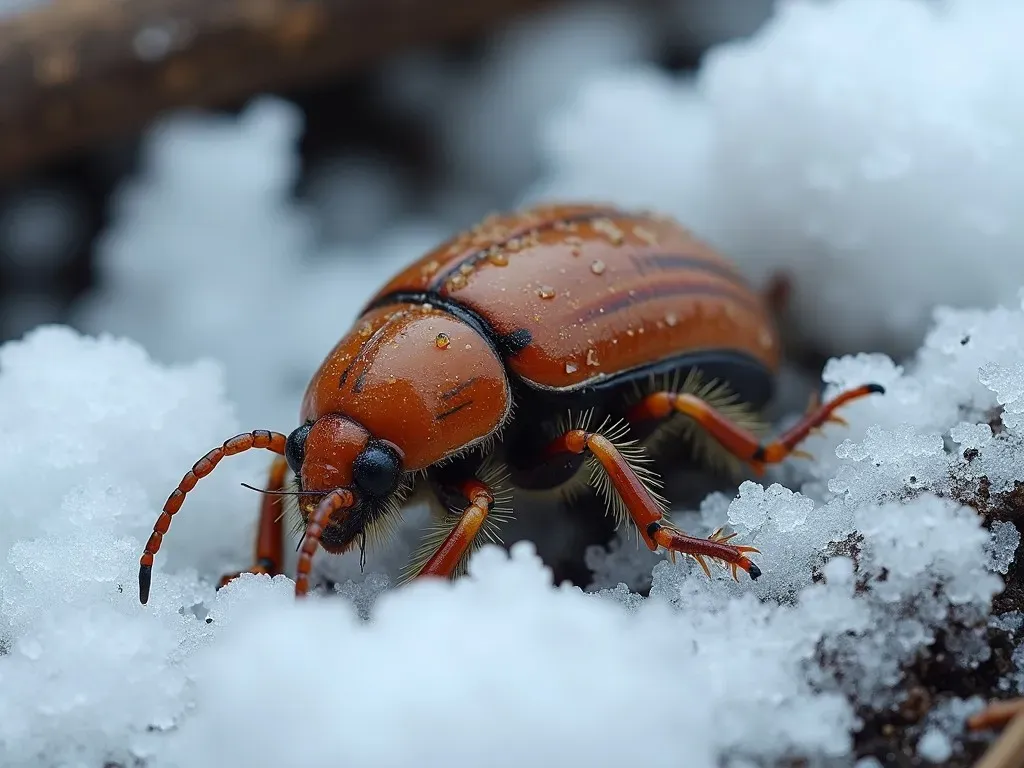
x=935, y=747
x=946, y=722
x=787, y=510
x=885, y=177
x=1002, y=546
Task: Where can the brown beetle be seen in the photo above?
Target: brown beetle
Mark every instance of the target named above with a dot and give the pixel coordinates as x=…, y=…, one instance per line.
x=553, y=349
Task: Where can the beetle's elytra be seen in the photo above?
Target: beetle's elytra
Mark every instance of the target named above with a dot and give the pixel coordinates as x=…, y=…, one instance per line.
x=555, y=348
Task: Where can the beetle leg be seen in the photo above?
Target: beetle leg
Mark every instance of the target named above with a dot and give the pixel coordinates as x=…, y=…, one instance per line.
x=272, y=441
x=270, y=534
x=777, y=293
x=446, y=557
x=1007, y=751
x=738, y=441
x=647, y=514
x=996, y=715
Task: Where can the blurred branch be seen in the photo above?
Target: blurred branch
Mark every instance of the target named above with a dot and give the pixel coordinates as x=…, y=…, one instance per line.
x=77, y=72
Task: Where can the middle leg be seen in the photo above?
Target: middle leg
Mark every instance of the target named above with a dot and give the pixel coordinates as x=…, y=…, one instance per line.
x=444, y=559
x=270, y=531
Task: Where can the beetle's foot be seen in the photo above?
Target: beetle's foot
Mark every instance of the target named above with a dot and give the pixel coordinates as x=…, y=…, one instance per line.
x=714, y=548
x=742, y=549
x=778, y=293
x=741, y=560
x=259, y=569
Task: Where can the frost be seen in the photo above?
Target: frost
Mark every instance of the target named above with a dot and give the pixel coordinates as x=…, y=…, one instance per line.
x=1002, y=546
x=1008, y=384
x=756, y=506
x=1008, y=622
x=971, y=435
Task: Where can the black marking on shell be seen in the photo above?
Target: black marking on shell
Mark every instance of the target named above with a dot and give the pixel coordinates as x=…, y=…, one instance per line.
x=452, y=411
x=515, y=342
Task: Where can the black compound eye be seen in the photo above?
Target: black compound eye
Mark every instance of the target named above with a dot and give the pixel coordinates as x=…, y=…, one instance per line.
x=377, y=469
x=295, y=447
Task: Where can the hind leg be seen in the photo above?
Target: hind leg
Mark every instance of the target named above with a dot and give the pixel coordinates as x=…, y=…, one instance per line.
x=647, y=512
x=739, y=442
x=270, y=534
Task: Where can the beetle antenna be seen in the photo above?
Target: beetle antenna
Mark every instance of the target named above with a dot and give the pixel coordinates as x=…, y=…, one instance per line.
x=260, y=438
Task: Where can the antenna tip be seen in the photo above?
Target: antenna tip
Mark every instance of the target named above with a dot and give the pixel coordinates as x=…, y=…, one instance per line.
x=145, y=579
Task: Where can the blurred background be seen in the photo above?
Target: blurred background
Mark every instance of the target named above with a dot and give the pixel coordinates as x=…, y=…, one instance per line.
x=355, y=127
x=232, y=178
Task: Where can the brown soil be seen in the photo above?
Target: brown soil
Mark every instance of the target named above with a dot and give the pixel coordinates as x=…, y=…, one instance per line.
x=892, y=737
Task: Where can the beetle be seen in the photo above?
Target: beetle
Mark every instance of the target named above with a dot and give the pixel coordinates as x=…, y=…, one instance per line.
x=556, y=349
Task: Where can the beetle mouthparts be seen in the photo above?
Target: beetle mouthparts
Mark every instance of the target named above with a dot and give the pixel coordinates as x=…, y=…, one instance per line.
x=754, y=572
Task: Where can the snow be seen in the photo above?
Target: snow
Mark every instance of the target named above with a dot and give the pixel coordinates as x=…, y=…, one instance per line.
x=935, y=747
x=1002, y=548
x=222, y=294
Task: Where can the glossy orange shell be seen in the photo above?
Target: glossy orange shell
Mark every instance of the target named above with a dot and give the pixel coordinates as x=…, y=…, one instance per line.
x=412, y=375
x=600, y=292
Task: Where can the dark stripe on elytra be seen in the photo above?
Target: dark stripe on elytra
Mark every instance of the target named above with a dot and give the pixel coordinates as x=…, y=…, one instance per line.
x=361, y=378
x=360, y=381
x=678, y=262
x=452, y=411
x=459, y=388
x=363, y=349
x=504, y=345
x=477, y=256
x=611, y=304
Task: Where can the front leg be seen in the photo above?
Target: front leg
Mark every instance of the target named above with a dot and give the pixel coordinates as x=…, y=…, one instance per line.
x=445, y=558
x=648, y=513
x=269, y=553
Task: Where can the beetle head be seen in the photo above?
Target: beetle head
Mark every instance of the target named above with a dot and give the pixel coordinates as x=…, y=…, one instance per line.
x=334, y=453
